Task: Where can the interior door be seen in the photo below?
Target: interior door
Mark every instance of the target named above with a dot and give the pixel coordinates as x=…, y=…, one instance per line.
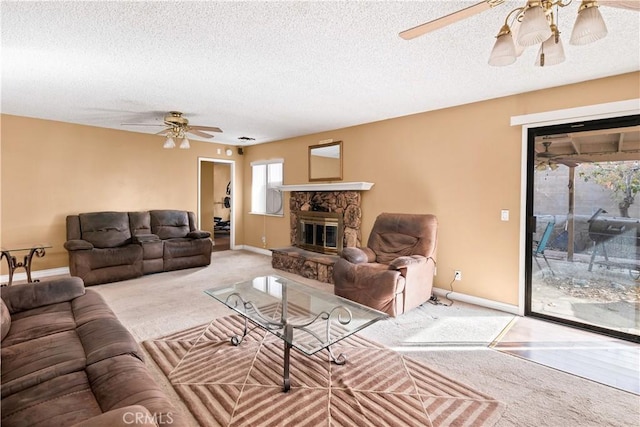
x=583, y=229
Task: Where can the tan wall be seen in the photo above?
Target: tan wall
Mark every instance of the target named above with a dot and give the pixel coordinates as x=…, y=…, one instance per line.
x=53, y=169
x=207, y=184
x=461, y=164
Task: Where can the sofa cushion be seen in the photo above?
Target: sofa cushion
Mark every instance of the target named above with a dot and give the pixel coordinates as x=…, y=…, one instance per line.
x=105, y=229
x=32, y=362
x=124, y=380
x=61, y=401
x=6, y=319
x=198, y=234
x=105, y=338
x=90, y=306
x=39, y=322
x=389, y=246
x=169, y=224
x=140, y=223
x=136, y=415
x=38, y=294
x=110, y=257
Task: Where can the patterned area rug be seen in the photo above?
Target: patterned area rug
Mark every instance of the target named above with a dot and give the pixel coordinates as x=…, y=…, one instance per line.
x=225, y=385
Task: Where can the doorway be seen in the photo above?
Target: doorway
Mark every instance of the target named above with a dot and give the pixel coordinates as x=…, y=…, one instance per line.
x=583, y=225
x=216, y=201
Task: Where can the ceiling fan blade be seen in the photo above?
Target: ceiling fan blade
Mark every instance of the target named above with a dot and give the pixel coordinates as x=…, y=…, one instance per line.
x=163, y=132
x=621, y=4
x=209, y=128
x=197, y=132
x=567, y=162
x=465, y=13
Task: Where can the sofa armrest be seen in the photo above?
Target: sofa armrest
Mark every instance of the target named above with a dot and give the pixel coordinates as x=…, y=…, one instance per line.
x=77, y=245
x=405, y=261
x=135, y=415
x=358, y=255
x=145, y=238
x=198, y=234
x=33, y=295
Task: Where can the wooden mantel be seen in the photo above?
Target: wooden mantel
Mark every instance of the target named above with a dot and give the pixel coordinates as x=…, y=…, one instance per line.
x=333, y=186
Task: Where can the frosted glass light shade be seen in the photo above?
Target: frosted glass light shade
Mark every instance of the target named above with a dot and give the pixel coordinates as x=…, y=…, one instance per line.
x=534, y=28
x=185, y=143
x=589, y=27
x=553, y=52
x=515, y=30
x=169, y=143
x=503, y=52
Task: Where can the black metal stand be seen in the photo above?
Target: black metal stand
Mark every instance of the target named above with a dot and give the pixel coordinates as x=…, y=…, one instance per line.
x=13, y=264
x=287, y=330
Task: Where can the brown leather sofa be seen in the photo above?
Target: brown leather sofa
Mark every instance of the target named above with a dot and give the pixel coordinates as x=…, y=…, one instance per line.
x=66, y=360
x=110, y=246
x=394, y=273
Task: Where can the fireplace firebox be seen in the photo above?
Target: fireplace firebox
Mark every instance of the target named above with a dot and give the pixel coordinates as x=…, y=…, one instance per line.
x=320, y=232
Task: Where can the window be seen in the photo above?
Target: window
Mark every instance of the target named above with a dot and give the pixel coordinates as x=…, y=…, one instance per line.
x=266, y=198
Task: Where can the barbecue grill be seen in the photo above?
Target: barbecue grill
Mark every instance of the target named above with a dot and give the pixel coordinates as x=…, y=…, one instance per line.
x=605, y=228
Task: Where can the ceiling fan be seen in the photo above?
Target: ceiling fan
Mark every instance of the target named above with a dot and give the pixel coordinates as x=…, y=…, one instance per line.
x=177, y=126
x=532, y=24
x=546, y=159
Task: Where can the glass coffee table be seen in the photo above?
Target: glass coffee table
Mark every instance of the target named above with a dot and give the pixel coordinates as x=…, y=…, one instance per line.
x=305, y=318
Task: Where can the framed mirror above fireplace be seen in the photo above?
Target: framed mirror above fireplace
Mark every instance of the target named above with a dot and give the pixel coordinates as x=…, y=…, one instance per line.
x=325, y=162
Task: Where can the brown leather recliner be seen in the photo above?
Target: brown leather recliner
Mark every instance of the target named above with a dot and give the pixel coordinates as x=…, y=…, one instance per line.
x=110, y=246
x=394, y=273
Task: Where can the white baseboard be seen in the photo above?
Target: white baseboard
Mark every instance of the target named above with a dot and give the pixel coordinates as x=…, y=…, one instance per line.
x=40, y=274
x=254, y=249
x=482, y=302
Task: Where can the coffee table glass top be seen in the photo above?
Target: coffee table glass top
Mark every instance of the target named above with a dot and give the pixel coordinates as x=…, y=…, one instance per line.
x=309, y=319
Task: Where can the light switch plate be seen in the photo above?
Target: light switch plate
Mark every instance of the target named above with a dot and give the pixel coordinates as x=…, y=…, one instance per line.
x=504, y=215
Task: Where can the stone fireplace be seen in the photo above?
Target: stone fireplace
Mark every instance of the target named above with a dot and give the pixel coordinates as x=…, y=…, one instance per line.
x=324, y=218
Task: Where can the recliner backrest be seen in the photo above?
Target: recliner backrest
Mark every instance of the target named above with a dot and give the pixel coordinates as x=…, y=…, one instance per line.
x=105, y=229
x=140, y=223
x=169, y=224
x=395, y=235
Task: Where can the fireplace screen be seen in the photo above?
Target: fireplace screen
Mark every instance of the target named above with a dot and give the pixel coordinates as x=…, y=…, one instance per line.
x=320, y=232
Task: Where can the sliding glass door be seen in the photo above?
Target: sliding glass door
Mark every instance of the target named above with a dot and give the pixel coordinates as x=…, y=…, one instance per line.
x=583, y=233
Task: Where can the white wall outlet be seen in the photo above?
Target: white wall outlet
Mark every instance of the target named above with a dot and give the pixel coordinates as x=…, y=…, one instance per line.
x=219, y=150
x=264, y=239
x=457, y=275
x=504, y=215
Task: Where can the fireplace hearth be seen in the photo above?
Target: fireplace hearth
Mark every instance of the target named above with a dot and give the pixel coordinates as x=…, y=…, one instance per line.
x=324, y=218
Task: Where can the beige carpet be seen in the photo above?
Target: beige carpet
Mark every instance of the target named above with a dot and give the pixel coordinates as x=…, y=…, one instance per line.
x=225, y=385
x=451, y=340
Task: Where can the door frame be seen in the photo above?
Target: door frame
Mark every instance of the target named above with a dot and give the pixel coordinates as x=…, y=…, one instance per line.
x=232, y=164
x=547, y=123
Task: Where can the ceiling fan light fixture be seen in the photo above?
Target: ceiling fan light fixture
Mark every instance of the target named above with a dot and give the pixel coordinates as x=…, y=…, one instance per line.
x=551, y=52
x=589, y=26
x=185, y=143
x=504, y=49
x=515, y=30
x=534, y=28
x=169, y=142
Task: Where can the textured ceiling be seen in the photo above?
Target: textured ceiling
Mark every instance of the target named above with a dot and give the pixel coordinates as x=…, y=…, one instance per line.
x=272, y=70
